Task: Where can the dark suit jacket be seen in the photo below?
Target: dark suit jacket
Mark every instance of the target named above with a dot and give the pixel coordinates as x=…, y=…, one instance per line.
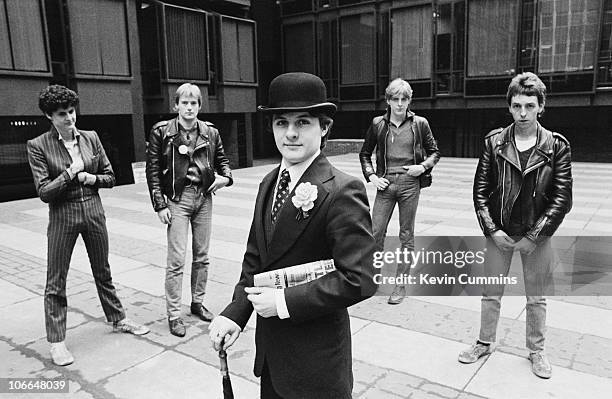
x=309, y=354
x=49, y=160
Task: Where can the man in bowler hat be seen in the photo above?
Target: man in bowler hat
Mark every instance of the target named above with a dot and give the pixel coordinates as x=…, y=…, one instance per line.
x=303, y=337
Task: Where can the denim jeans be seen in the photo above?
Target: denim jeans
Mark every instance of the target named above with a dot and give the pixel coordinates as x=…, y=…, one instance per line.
x=538, y=279
x=403, y=190
x=194, y=207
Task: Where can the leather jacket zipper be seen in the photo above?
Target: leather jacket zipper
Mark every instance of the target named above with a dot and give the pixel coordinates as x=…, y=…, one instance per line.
x=173, y=171
x=536, y=183
x=533, y=167
x=385, y=152
x=503, y=190
x=414, y=138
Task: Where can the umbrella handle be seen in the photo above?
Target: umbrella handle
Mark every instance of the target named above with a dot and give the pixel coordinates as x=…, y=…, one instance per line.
x=228, y=392
x=223, y=359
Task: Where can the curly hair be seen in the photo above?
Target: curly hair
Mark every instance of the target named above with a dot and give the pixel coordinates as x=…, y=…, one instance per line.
x=527, y=84
x=55, y=97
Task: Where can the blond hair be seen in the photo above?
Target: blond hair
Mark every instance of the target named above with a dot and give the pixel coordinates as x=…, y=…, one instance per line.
x=188, y=90
x=396, y=87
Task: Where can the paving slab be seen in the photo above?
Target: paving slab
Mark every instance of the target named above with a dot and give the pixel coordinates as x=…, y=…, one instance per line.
x=23, y=240
x=357, y=324
x=512, y=306
x=99, y=352
x=35, y=244
x=413, y=353
x=240, y=357
x=506, y=376
x=149, y=279
x=579, y=318
x=11, y=293
x=27, y=321
x=416, y=334
x=220, y=220
x=15, y=364
x=171, y=375
x=160, y=331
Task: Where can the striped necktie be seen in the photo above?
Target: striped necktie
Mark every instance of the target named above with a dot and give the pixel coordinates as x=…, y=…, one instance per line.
x=282, y=191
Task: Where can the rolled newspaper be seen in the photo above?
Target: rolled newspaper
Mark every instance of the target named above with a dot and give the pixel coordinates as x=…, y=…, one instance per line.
x=294, y=275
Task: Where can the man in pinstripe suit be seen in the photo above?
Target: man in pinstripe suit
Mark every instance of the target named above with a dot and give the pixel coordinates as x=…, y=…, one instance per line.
x=68, y=166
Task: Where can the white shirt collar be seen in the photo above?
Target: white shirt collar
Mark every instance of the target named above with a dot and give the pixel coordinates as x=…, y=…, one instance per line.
x=76, y=134
x=296, y=171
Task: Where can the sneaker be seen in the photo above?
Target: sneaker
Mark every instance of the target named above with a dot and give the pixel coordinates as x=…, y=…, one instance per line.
x=540, y=365
x=60, y=355
x=474, y=353
x=177, y=327
x=397, y=296
x=129, y=326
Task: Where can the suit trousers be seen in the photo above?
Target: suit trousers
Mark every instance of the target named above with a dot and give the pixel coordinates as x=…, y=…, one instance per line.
x=267, y=390
x=66, y=221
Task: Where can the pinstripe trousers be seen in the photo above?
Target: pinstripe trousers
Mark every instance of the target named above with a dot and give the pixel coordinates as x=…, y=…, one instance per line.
x=66, y=221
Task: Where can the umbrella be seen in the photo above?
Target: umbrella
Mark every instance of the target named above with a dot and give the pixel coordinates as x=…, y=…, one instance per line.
x=228, y=392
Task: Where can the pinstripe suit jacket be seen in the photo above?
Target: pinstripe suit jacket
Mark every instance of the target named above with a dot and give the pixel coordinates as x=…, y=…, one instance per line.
x=49, y=159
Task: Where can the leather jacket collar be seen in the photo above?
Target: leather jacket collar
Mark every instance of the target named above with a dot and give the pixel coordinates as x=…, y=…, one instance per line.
x=387, y=115
x=506, y=148
x=173, y=128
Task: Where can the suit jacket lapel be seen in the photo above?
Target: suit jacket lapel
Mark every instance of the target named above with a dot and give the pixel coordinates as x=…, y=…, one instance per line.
x=58, y=145
x=86, y=152
x=288, y=229
x=260, y=203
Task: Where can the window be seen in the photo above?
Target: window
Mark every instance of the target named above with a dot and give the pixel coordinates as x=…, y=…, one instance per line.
x=527, y=41
x=214, y=54
x=357, y=49
x=150, y=34
x=384, y=51
x=99, y=37
x=411, y=43
x=450, y=33
x=295, y=6
x=238, y=48
x=328, y=55
x=186, y=44
x=22, y=41
x=492, y=37
x=349, y=2
x=568, y=35
x=238, y=38
x=299, y=46
x=604, y=67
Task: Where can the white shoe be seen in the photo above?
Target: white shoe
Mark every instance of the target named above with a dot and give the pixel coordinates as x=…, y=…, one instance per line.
x=60, y=355
x=129, y=326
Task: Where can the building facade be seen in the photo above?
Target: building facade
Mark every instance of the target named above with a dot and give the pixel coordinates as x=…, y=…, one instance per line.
x=125, y=58
x=459, y=56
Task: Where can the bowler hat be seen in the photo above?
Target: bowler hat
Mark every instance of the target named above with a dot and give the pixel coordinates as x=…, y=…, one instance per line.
x=297, y=91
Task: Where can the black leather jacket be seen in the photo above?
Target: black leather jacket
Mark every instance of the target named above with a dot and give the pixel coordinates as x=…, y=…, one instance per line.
x=426, y=150
x=167, y=167
x=499, y=180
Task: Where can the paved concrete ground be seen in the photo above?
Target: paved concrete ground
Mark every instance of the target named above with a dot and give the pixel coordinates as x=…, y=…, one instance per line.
x=404, y=351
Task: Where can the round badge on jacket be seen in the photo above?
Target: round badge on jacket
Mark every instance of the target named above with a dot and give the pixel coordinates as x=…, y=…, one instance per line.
x=183, y=149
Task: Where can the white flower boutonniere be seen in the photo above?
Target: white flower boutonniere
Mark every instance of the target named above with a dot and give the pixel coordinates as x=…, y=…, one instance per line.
x=304, y=198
